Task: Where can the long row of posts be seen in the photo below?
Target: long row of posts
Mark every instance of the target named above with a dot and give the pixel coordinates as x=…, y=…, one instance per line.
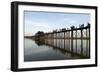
x=68, y=38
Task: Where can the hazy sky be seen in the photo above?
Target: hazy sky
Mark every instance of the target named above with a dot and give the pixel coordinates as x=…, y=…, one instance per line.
x=48, y=21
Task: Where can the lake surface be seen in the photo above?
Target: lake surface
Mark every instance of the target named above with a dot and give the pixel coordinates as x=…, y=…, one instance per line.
x=56, y=49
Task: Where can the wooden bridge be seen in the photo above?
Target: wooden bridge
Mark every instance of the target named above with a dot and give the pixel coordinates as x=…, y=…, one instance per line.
x=73, y=33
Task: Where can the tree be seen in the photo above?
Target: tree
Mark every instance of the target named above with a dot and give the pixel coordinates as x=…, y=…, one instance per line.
x=63, y=29
x=72, y=27
x=39, y=33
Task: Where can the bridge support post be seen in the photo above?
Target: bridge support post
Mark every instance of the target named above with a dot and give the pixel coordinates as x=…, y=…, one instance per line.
x=72, y=40
x=81, y=41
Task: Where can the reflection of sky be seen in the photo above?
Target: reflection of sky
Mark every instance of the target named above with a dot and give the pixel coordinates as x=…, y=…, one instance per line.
x=48, y=21
x=32, y=48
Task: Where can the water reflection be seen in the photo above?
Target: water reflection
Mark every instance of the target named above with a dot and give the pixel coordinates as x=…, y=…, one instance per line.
x=56, y=49
x=75, y=46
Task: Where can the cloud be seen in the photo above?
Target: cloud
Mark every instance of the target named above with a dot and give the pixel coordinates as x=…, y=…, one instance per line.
x=33, y=27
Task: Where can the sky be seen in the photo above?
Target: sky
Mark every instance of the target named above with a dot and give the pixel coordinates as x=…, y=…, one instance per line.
x=49, y=21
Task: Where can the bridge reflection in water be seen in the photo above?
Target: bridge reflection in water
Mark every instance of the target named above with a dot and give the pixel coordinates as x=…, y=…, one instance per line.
x=74, y=42
x=76, y=47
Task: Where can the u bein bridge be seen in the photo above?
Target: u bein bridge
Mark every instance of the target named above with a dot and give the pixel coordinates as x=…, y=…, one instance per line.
x=73, y=33
x=75, y=40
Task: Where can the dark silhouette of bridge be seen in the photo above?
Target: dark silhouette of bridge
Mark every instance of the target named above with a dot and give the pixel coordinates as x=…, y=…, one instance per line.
x=73, y=33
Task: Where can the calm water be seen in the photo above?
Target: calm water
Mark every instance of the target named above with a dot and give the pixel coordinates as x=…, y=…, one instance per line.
x=58, y=49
